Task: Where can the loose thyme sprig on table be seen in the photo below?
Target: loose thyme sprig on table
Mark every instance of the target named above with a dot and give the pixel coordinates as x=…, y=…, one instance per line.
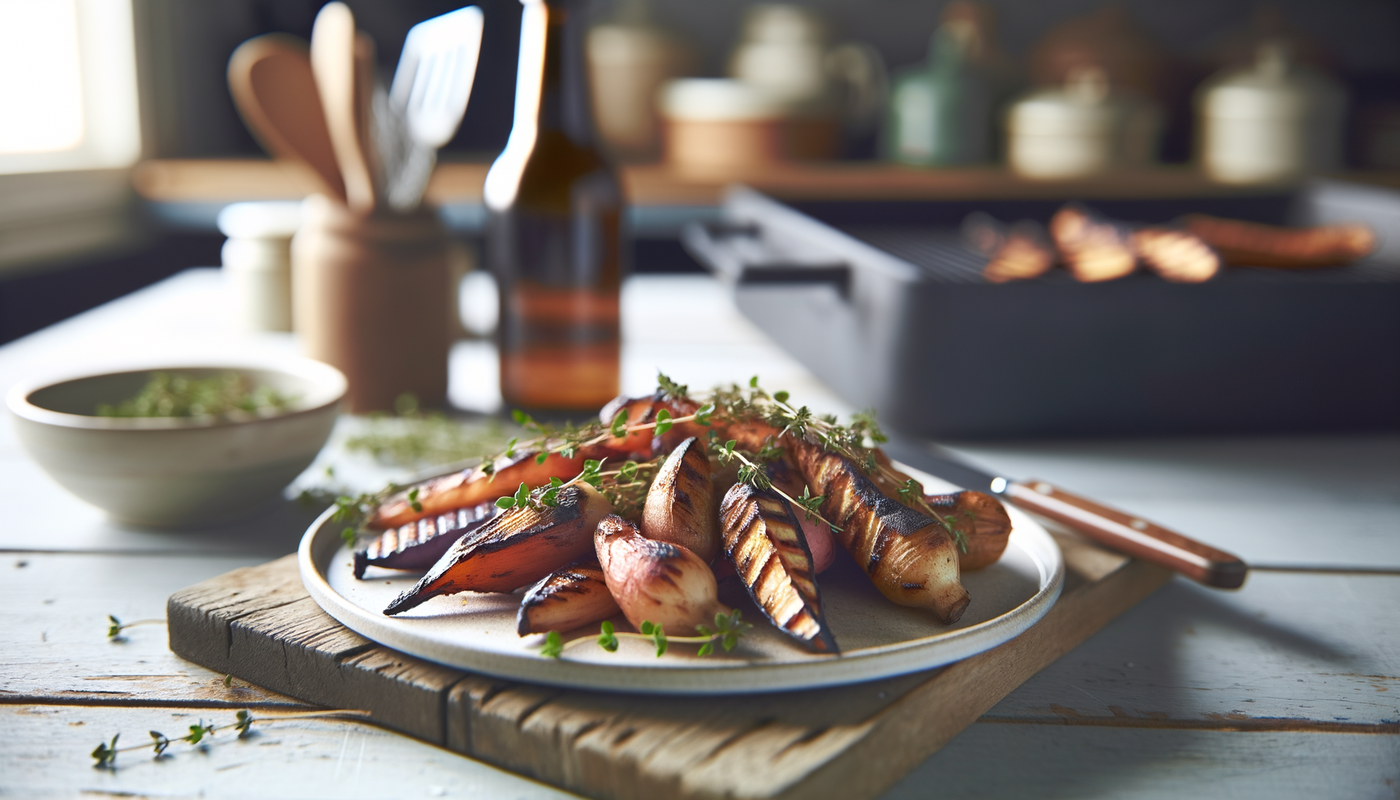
x=116, y=626
x=105, y=755
x=728, y=629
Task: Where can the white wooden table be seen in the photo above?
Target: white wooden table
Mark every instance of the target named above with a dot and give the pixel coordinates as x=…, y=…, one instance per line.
x=1287, y=688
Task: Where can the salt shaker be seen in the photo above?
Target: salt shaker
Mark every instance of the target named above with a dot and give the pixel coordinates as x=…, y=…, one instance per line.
x=257, y=263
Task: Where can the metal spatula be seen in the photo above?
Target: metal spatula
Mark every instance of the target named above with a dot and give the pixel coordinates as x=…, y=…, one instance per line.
x=426, y=102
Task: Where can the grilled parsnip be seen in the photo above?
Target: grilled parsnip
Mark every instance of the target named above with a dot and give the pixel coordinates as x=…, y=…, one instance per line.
x=680, y=505
x=566, y=599
x=515, y=549
x=472, y=486
x=764, y=542
x=982, y=521
x=418, y=545
x=911, y=559
x=660, y=582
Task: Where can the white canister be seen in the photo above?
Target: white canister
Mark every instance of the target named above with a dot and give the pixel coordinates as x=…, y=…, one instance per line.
x=1079, y=129
x=1274, y=121
x=258, y=263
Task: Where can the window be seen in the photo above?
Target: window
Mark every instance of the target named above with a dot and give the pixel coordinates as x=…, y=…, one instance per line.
x=67, y=85
x=69, y=128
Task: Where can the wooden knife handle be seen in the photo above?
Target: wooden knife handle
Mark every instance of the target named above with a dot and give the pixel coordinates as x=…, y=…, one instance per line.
x=1131, y=535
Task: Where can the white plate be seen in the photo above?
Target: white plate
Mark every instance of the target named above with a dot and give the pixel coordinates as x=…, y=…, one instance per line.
x=476, y=632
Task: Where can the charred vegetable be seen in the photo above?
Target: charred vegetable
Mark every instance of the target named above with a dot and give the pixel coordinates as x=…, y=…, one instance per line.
x=982, y=522
x=911, y=558
x=1092, y=248
x=472, y=486
x=680, y=505
x=515, y=549
x=1254, y=245
x=418, y=545
x=820, y=541
x=658, y=582
x=763, y=540
x=573, y=596
x=1176, y=255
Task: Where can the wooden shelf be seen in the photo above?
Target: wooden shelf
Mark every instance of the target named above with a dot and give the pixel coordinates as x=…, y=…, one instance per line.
x=172, y=181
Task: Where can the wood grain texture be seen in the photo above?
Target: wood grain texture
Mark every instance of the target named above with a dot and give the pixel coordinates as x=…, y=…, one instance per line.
x=846, y=742
x=53, y=620
x=259, y=624
x=658, y=185
x=45, y=755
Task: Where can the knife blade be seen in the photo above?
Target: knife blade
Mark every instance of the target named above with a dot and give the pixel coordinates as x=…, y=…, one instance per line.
x=1119, y=530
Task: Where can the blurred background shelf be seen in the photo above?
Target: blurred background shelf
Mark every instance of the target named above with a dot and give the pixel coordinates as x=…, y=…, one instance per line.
x=190, y=193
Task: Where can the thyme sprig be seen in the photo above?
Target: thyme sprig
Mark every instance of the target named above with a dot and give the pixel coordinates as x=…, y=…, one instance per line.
x=116, y=626
x=567, y=441
x=856, y=441
x=105, y=754
x=352, y=511
x=753, y=473
x=728, y=629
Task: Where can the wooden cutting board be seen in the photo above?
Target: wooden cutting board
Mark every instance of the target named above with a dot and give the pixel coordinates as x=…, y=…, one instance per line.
x=259, y=625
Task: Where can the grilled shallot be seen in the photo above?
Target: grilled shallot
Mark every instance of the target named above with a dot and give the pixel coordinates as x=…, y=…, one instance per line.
x=819, y=539
x=982, y=521
x=472, y=486
x=680, y=505
x=515, y=549
x=566, y=599
x=660, y=582
x=911, y=559
x=764, y=541
x=418, y=545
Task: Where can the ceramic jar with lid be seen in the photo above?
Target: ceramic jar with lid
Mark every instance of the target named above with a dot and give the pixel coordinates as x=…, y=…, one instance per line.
x=1271, y=122
x=783, y=49
x=1079, y=129
x=720, y=127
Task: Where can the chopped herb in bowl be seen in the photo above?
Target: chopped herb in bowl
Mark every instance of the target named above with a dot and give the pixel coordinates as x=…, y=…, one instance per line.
x=175, y=395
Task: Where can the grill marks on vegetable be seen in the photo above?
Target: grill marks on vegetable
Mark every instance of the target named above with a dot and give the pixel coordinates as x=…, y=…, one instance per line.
x=418, y=545
x=897, y=546
x=764, y=542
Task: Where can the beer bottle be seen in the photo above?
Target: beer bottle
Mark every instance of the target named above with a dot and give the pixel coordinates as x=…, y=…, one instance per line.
x=554, y=235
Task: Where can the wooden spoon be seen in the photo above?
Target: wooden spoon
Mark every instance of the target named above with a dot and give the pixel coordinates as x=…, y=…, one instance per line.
x=272, y=85
x=333, y=61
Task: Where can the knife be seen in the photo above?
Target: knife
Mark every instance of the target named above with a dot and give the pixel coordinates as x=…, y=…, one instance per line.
x=1126, y=533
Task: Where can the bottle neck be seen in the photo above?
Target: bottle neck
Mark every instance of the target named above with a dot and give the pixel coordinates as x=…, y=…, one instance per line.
x=552, y=63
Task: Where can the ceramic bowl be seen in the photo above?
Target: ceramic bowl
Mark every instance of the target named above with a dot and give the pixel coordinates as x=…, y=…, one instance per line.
x=174, y=472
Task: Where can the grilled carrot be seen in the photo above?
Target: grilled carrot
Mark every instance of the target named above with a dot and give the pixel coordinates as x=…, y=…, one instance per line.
x=764, y=542
x=1254, y=245
x=680, y=505
x=659, y=582
x=515, y=549
x=566, y=599
x=472, y=486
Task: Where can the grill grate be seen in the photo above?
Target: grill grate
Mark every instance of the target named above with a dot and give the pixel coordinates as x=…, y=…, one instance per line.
x=943, y=256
